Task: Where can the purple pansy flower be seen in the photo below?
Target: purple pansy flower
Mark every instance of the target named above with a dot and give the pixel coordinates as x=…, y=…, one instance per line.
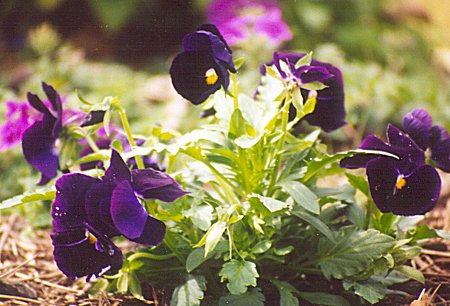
x=403, y=186
x=202, y=68
x=240, y=19
x=329, y=113
x=38, y=141
x=88, y=212
x=19, y=117
x=419, y=125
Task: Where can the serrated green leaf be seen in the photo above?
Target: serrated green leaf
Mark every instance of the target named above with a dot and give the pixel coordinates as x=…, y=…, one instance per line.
x=411, y=273
x=272, y=205
x=200, y=215
x=239, y=275
x=352, y=252
x=40, y=194
x=302, y=195
x=190, y=293
x=315, y=222
x=322, y=298
x=253, y=297
x=371, y=291
x=287, y=291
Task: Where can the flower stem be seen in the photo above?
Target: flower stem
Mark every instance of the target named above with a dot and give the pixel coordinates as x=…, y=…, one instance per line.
x=235, y=90
x=284, y=124
x=91, y=143
x=127, y=129
x=150, y=256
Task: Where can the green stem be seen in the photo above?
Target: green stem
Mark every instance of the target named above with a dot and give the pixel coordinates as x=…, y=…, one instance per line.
x=235, y=90
x=92, y=143
x=228, y=187
x=127, y=129
x=284, y=123
x=150, y=256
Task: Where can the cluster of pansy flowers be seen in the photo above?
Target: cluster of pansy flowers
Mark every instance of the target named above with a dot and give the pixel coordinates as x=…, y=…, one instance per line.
x=88, y=211
x=401, y=182
x=405, y=184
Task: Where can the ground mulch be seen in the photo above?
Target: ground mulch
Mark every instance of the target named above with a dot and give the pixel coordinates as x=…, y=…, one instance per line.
x=29, y=275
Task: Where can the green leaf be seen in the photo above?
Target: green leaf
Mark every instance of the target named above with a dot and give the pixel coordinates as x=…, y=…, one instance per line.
x=411, y=273
x=371, y=291
x=358, y=182
x=443, y=234
x=271, y=204
x=196, y=258
x=302, y=195
x=134, y=285
x=352, y=252
x=304, y=61
x=190, y=293
x=239, y=62
x=200, y=215
x=261, y=247
x=40, y=194
x=253, y=297
x=322, y=298
x=286, y=290
x=315, y=222
x=239, y=274
x=212, y=236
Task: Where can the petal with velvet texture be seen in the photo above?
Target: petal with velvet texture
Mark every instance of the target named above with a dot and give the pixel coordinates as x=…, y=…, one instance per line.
x=418, y=124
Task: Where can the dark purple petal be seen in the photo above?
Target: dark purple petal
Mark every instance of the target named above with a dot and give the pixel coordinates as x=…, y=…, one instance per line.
x=418, y=125
x=127, y=213
x=204, y=41
x=329, y=113
x=440, y=147
x=417, y=195
x=153, y=233
x=149, y=162
x=405, y=148
x=132, y=220
x=68, y=210
x=153, y=184
x=56, y=103
x=213, y=29
x=38, y=147
x=94, y=117
x=188, y=73
x=38, y=104
x=118, y=169
x=80, y=253
x=276, y=61
x=98, y=208
x=308, y=74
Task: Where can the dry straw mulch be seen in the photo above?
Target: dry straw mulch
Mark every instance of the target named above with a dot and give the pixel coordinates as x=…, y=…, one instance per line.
x=29, y=275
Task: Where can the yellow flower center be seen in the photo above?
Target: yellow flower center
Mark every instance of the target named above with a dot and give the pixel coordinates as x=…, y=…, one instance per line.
x=401, y=182
x=211, y=76
x=91, y=238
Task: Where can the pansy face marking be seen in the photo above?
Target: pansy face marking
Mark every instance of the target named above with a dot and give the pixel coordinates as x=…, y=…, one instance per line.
x=401, y=182
x=211, y=76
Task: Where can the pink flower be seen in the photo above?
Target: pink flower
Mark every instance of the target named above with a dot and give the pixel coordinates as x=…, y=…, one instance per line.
x=237, y=20
x=19, y=116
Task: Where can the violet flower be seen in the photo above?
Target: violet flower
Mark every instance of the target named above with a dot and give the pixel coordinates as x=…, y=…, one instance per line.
x=202, y=68
x=403, y=186
x=419, y=125
x=239, y=20
x=38, y=141
x=19, y=117
x=88, y=212
x=329, y=113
